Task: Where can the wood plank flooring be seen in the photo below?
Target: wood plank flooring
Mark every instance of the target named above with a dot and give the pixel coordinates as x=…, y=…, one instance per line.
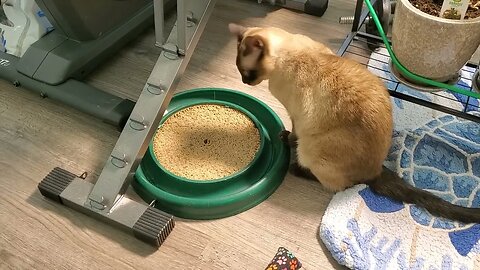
x=38, y=134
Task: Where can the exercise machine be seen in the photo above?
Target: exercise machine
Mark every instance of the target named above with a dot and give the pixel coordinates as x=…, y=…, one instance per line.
x=80, y=39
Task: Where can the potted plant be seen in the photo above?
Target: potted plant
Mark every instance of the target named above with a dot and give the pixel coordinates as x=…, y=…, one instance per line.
x=432, y=46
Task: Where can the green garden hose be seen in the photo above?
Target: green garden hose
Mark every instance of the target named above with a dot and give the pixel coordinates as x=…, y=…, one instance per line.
x=405, y=71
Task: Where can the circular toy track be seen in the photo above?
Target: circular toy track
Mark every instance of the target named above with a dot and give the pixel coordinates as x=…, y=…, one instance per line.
x=227, y=196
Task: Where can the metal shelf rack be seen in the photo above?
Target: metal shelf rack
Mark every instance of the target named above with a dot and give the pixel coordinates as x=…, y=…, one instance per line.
x=358, y=46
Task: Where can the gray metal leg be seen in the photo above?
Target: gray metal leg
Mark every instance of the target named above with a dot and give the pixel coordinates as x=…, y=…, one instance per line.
x=146, y=223
x=159, y=17
x=181, y=26
x=105, y=199
x=73, y=93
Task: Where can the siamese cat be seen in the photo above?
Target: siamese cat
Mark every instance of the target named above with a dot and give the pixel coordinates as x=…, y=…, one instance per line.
x=341, y=115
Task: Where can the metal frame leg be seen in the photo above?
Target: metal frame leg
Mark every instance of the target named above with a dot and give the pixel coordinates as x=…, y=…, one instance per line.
x=105, y=199
x=358, y=20
x=159, y=18
x=476, y=80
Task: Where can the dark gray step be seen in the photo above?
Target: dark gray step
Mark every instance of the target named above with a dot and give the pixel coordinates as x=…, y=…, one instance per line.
x=153, y=226
x=55, y=183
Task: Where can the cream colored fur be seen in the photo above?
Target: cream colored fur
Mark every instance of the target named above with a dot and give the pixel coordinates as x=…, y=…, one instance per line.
x=341, y=113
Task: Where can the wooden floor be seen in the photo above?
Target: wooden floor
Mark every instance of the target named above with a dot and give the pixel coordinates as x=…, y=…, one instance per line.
x=38, y=134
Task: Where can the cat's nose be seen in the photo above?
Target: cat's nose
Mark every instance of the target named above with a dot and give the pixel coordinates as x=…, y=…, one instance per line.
x=247, y=80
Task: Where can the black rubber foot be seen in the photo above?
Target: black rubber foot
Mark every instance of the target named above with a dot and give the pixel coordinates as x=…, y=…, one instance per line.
x=55, y=183
x=316, y=7
x=153, y=226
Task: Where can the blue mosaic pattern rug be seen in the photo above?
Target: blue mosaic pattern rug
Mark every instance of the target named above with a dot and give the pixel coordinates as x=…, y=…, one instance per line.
x=433, y=151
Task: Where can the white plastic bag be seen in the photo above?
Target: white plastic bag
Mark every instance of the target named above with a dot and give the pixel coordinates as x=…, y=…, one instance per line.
x=25, y=24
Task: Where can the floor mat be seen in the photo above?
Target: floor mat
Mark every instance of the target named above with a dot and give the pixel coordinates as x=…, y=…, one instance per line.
x=433, y=151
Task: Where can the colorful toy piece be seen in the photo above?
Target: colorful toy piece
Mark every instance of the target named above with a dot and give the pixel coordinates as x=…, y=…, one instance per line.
x=284, y=260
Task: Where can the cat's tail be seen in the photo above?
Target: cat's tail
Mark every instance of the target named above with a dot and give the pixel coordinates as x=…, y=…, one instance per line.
x=389, y=184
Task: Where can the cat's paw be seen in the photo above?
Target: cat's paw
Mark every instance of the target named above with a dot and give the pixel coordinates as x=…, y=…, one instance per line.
x=283, y=135
x=299, y=171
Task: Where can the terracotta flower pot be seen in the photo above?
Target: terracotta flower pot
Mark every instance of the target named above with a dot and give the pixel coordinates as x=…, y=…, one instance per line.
x=430, y=46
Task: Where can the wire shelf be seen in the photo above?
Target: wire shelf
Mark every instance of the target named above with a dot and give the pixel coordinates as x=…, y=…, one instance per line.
x=358, y=47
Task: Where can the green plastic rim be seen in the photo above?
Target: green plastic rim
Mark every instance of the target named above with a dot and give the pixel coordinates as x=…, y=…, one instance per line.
x=227, y=196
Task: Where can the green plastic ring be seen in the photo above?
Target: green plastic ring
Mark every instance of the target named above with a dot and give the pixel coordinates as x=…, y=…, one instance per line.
x=227, y=196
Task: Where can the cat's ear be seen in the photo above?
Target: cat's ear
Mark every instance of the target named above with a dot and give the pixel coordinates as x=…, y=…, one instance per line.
x=255, y=42
x=236, y=30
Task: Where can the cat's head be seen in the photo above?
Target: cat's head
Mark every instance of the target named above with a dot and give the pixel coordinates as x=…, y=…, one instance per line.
x=253, y=53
